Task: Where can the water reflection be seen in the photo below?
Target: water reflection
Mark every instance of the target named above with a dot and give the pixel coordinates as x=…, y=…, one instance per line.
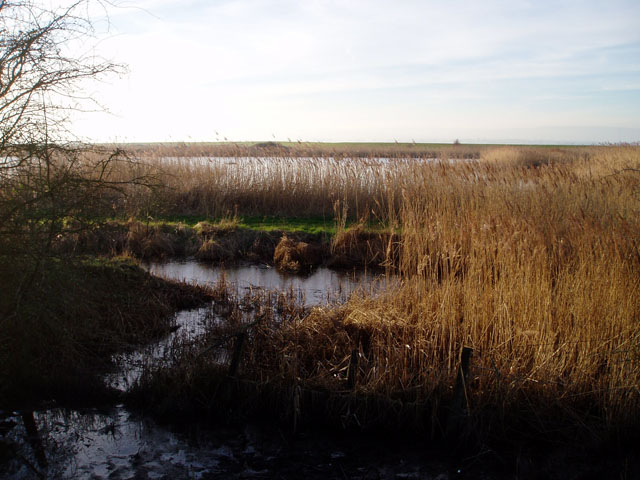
x=320, y=287
x=114, y=444
x=118, y=444
x=189, y=324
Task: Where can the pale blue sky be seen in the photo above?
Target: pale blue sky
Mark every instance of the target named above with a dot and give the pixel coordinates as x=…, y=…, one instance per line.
x=490, y=71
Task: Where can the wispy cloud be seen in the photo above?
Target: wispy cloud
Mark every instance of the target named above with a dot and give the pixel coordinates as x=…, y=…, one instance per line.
x=369, y=69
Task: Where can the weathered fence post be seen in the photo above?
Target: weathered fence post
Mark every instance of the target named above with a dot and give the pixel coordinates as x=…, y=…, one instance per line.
x=237, y=354
x=352, y=372
x=460, y=403
x=297, y=409
x=33, y=436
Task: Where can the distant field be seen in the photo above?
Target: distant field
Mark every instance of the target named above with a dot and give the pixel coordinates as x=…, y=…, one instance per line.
x=357, y=149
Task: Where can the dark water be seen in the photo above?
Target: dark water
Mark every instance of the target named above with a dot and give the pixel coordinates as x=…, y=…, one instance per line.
x=118, y=444
x=189, y=323
x=113, y=443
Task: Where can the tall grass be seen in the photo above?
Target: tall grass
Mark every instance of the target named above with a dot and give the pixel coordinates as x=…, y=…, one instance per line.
x=192, y=181
x=530, y=256
x=536, y=269
x=222, y=180
x=284, y=186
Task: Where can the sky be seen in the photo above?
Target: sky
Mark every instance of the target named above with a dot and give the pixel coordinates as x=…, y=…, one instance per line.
x=495, y=71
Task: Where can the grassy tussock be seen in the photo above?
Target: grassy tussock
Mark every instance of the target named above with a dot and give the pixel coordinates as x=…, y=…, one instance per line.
x=358, y=246
x=295, y=256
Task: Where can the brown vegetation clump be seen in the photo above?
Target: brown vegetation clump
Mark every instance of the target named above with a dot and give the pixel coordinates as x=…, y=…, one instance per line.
x=226, y=241
x=263, y=247
x=215, y=251
x=148, y=241
x=107, y=238
x=160, y=241
x=295, y=256
x=208, y=229
x=357, y=247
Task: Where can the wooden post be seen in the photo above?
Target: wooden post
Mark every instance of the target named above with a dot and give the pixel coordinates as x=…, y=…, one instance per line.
x=352, y=372
x=237, y=354
x=33, y=436
x=297, y=410
x=460, y=402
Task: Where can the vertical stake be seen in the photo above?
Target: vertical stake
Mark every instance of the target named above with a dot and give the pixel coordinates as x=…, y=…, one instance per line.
x=33, y=436
x=237, y=354
x=297, y=411
x=352, y=373
x=460, y=402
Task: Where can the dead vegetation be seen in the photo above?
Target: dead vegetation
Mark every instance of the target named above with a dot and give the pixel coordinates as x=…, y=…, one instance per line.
x=296, y=256
x=532, y=264
x=358, y=246
x=220, y=242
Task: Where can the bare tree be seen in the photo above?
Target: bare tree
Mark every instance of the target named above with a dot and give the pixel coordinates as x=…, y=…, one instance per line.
x=39, y=76
x=48, y=181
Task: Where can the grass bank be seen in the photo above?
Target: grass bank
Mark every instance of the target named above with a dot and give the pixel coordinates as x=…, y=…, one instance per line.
x=56, y=339
x=324, y=226
x=301, y=246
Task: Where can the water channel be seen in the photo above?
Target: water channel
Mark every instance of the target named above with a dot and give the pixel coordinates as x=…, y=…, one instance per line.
x=320, y=287
x=116, y=443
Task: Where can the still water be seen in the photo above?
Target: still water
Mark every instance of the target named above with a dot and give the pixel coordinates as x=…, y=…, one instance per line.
x=320, y=287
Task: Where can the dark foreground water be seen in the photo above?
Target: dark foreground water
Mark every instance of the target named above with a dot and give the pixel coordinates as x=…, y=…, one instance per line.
x=118, y=444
